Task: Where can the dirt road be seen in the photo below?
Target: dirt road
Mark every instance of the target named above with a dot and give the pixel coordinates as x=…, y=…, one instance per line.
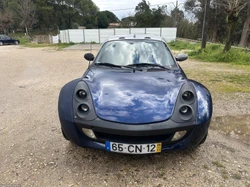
x=34, y=153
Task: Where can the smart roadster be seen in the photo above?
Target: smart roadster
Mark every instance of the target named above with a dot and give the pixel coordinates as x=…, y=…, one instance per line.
x=134, y=98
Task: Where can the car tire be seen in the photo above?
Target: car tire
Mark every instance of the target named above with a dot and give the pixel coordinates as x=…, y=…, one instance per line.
x=64, y=135
x=16, y=42
x=1, y=43
x=203, y=140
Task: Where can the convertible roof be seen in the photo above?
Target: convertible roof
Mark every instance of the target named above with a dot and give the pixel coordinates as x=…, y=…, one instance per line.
x=135, y=37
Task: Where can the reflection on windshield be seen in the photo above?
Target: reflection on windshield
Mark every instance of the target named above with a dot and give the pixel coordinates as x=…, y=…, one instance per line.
x=135, y=52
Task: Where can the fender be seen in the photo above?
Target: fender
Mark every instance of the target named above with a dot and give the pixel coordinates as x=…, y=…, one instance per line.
x=205, y=104
x=65, y=111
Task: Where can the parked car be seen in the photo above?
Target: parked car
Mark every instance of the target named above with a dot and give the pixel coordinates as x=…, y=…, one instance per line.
x=134, y=98
x=4, y=40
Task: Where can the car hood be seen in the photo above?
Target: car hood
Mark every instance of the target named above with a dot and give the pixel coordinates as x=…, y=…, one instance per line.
x=134, y=97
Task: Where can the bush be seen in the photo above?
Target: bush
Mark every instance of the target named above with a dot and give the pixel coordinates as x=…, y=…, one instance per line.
x=89, y=26
x=213, y=53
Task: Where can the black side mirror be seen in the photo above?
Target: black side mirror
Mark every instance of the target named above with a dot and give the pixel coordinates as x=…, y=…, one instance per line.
x=89, y=56
x=181, y=57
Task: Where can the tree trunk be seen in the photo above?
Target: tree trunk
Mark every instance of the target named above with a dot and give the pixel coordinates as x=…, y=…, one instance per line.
x=214, y=34
x=204, y=28
x=245, y=32
x=232, y=19
x=27, y=32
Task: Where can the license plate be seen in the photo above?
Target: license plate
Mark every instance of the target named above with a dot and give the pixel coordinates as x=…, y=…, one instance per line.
x=133, y=148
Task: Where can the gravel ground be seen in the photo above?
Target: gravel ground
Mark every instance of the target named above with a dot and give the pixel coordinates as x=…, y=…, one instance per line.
x=34, y=153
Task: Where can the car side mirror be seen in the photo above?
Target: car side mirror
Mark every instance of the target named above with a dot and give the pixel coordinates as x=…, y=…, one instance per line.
x=89, y=56
x=181, y=57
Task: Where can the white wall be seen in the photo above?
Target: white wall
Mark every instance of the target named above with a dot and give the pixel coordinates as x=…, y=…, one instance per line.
x=100, y=35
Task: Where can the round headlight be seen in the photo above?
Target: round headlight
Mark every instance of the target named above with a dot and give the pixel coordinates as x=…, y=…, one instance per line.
x=186, y=112
x=187, y=96
x=184, y=109
x=82, y=94
x=84, y=108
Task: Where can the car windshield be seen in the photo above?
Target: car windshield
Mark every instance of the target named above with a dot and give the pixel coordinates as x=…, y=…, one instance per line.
x=5, y=37
x=136, y=52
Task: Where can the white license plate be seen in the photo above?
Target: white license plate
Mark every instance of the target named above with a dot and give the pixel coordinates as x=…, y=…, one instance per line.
x=133, y=148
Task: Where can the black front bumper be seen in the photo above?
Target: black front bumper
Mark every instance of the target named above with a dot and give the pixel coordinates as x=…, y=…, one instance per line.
x=138, y=134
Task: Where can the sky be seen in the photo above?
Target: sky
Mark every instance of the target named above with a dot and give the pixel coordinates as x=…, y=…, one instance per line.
x=125, y=8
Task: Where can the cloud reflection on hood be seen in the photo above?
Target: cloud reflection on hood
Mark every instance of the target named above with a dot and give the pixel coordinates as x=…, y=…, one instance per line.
x=134, y=97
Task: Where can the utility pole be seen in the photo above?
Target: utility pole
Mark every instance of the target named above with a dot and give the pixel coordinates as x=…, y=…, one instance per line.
x=205, y=25
x=176, y=13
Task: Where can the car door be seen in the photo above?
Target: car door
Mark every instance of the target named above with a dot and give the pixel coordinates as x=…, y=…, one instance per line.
x=8, y=40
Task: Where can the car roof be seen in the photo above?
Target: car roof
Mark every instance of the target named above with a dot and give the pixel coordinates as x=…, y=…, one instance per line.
x=136, y=37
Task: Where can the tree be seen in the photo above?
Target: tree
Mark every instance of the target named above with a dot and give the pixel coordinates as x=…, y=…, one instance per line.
x=6, y=21
x=246, y=29
x=177, y=15
x=146, y=17
x=143, y=14
x=128, y=21
x=26, y=14
x=102, y=20
x=45, y=15
x=111, y=17
x=232, y=8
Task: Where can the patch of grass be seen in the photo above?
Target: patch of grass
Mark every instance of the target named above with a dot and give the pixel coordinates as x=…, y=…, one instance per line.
x=236, y=176
x=213, y=53
x=222, y=78
x=181, y=45
x=238, y=79
x=224, y=174
x=218, y=164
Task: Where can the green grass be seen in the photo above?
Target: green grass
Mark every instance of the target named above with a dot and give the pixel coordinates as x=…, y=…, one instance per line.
x=26, y=42
x=213, y=53
x=218, y=164
x=180, y=45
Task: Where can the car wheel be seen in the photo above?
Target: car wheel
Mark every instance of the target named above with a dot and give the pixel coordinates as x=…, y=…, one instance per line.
x=64, y=135
x=1, y=43
x=203, y=140
x=16, y=42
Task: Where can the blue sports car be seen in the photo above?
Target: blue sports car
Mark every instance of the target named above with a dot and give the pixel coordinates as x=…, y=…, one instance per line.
x=134, y=98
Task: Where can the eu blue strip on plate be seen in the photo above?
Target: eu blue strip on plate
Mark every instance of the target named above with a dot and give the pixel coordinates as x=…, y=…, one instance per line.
x=107, y=146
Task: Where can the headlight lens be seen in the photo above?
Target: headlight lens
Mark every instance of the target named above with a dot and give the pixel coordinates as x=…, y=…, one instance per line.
x=82, y=94
x=186, y=113
x=184, y=109
x=84, y=108
x=187, y=96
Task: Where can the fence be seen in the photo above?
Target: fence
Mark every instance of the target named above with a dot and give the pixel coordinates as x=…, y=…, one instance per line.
x=100, y=35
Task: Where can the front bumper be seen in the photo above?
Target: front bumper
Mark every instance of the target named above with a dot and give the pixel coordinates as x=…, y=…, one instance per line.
x=135, y=134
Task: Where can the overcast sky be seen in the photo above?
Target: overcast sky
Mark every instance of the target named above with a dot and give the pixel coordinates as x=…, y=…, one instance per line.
x=117, y=7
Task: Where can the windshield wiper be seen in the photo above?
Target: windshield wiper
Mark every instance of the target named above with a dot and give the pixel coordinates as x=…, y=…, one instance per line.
x=147, y=65
x=114, y=65
x=108, y=64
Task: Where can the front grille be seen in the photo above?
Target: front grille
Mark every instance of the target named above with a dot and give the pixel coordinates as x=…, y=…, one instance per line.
x=133, y=139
